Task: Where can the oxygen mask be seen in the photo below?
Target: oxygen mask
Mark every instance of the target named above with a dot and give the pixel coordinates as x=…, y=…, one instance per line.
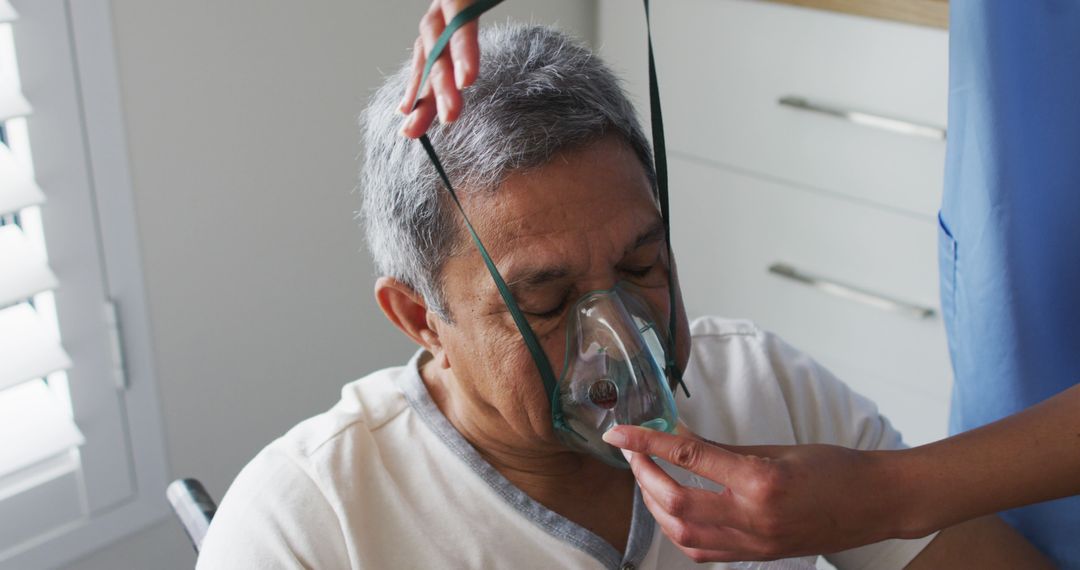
x=613, y=373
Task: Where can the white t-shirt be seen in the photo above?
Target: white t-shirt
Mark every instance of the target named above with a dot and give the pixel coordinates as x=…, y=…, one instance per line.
x=383, y=480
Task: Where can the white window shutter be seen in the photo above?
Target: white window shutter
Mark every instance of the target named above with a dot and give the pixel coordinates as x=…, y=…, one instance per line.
x=79, y=468
x=34, y=425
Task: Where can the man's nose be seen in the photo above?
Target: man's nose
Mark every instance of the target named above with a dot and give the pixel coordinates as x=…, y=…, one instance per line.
x=605, y=320
x=600, y=281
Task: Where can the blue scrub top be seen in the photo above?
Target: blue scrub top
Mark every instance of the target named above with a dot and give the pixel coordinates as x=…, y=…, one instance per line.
x=1010, y=224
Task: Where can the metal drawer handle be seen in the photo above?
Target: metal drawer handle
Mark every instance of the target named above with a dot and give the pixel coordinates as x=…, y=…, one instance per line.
x=865, y=118
x=851, y=292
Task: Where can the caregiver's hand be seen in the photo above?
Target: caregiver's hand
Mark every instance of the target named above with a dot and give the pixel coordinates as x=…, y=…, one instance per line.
x=779, y=501
x=783, y=501
x=455, y=69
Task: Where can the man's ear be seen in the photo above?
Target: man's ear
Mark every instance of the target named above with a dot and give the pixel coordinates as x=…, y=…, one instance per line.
x=407, y=310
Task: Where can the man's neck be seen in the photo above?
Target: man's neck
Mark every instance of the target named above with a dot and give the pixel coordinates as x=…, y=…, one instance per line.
x=583, y=489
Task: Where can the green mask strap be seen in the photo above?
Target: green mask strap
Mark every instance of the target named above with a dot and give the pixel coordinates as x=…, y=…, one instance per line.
x=537, y=352
x=660, y=162
x=543, y=365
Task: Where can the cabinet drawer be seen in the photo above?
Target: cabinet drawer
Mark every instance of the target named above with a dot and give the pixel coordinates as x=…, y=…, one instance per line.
x=729, y=228
x=725, y=65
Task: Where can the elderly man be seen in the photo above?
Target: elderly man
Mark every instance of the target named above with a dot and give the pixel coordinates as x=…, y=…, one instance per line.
x=452, y=460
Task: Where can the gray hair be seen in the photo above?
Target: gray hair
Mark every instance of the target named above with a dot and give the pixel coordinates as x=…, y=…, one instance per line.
x=539, y=92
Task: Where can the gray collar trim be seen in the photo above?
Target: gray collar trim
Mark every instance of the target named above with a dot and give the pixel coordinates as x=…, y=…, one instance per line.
x=642, y=523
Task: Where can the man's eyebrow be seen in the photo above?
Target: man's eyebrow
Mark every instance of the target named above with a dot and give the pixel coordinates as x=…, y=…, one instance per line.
x=530, y=278
x=653, y=233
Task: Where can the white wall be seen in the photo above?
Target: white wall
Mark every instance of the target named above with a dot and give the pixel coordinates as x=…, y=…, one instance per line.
x=241, y=121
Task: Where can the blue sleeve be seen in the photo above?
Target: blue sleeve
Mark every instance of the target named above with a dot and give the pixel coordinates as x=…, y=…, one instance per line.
x=1010, y=224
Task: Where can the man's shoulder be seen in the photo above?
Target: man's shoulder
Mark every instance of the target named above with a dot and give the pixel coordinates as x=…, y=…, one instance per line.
x=714, y=326
x=295, y=483
x=748, y=386
x=366, y=405
x=741, y=347
x=735, y=396
x=719, y=341
x=314, y=447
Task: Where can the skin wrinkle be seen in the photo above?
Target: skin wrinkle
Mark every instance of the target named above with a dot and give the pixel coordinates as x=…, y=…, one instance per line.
x=537, y=276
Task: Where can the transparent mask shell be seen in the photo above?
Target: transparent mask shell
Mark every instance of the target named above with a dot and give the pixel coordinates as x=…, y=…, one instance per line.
x=613, y=373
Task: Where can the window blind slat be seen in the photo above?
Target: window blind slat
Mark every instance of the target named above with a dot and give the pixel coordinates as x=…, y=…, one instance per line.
x=33, y=427
x=17, y=188
x=13, y=104
x=7, y=13
x=25, y=271
x=27, y=350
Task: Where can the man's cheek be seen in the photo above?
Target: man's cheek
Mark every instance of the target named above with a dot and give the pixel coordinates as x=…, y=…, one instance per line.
x=499, y=359
x=524, y=376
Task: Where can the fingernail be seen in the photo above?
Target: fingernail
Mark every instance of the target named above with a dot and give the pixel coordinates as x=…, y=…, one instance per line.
x=408, y=123
x=459, y=74
x=627, y=454
x=441, y=103
x=614, y=437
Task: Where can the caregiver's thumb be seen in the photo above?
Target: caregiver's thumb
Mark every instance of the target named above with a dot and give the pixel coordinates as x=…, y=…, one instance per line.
x=684, y=449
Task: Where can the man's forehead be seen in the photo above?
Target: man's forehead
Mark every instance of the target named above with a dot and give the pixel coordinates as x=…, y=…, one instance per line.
x=532, y=270
x=605, y=170
x=540, y=221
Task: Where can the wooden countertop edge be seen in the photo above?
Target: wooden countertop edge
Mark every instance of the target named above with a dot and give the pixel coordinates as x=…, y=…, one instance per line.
x=933, y=13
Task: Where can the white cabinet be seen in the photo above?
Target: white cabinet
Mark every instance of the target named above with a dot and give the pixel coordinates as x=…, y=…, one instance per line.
x=848, y=204
x=731, y=228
